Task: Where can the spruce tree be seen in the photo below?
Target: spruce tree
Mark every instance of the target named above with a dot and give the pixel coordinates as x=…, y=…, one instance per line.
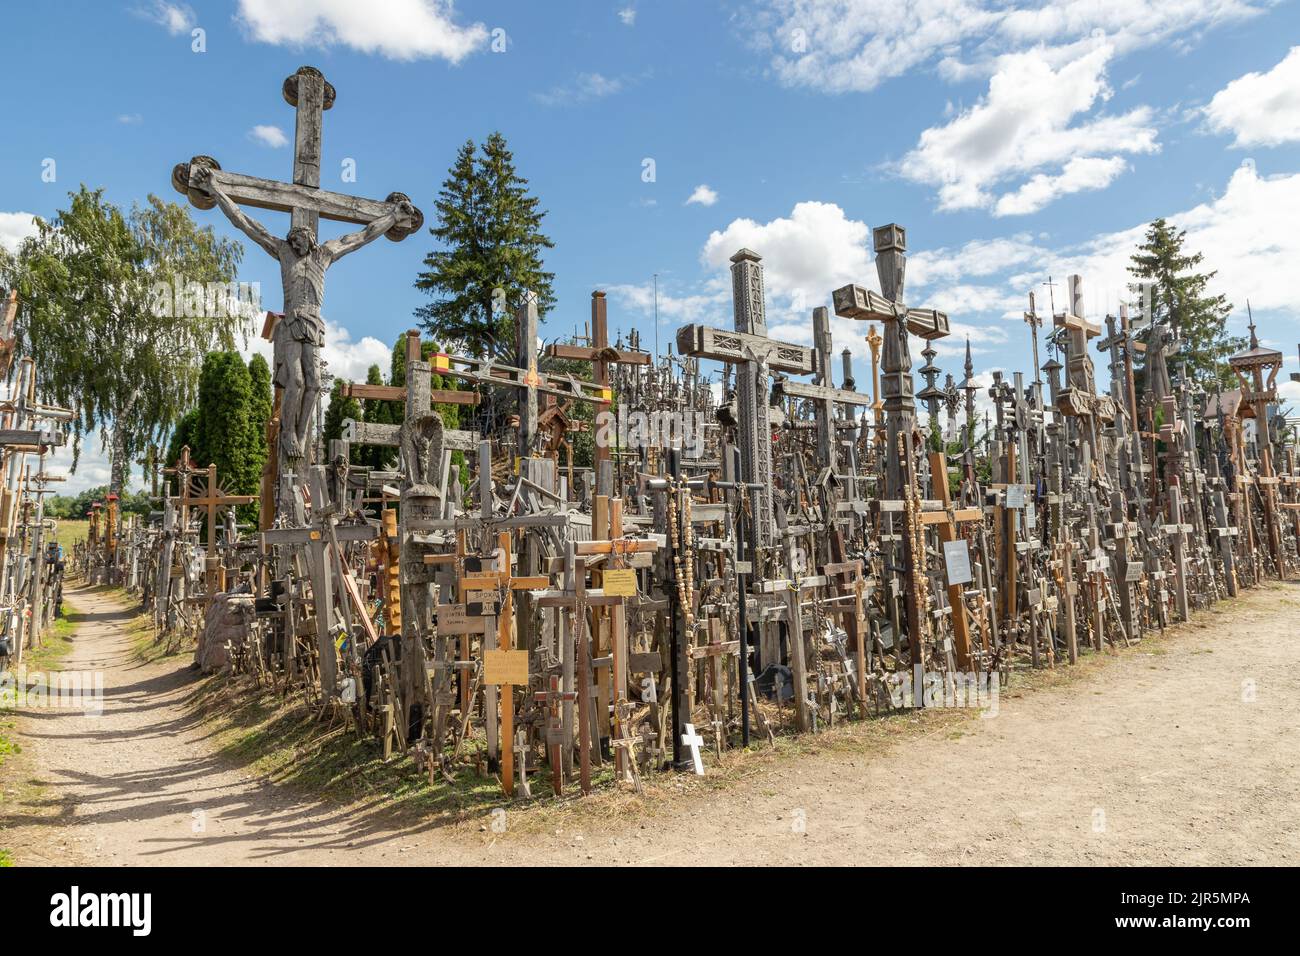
x=338, y=409
x=490, y=251
x=1180, y=299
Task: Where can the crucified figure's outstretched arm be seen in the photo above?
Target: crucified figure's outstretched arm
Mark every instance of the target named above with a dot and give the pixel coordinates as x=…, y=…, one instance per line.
x=337, y=248
x=250, y=227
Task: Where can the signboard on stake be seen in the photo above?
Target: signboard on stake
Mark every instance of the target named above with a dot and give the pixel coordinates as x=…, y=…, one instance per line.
x=956, y=559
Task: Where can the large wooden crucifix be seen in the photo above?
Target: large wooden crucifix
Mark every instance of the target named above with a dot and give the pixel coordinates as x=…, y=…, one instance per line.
x=300, y=334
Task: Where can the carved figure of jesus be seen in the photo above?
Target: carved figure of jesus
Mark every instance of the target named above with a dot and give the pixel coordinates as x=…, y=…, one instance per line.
x=300, y=335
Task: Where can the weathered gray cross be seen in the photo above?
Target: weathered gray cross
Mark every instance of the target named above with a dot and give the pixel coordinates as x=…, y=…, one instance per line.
x=757, y=356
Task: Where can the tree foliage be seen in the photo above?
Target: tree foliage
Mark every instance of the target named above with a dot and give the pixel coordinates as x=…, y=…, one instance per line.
x=76, y=507
x=338, y=409
x=185, y=433
x=227, y=434
x=490, y=252
x=103, y=340
x=1181, y=299
x=259, y=375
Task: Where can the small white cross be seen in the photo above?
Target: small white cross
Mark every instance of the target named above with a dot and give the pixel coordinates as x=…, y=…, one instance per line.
x=693, y=740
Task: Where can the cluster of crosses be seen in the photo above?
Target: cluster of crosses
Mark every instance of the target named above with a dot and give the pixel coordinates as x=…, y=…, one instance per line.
x=31, y=564
x=793, y=553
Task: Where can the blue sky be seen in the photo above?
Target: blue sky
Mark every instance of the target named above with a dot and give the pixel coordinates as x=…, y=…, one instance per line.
x=1014, y=140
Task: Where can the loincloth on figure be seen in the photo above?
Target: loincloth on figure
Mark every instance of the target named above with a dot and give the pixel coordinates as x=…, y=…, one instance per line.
x=302, y=328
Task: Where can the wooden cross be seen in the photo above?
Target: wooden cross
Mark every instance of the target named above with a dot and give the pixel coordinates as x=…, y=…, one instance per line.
x=713, y=652
x=575, y=598
x=601, y=356
x=554, y=698
x=323, y=543
x=898, y=319
x=310, y=95
x=824, y=393
x=498, y=634
x=854, y=617
x=948, y=521
x=607, y=518
x=757, y=356
x=212, y=498
x=440, y=361
x=302, y=268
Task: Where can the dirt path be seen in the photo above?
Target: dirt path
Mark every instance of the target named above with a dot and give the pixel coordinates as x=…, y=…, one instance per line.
x=1163, y=758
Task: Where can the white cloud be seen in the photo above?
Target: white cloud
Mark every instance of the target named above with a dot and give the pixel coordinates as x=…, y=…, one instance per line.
x=271, y=136
x=707, y=306
x=628, y=16
x=396, y=29
x=703, y=196
x=979, y=258
x=350, y=359
x=1079, y=174
x=14, y=228
x=1025, y=127
x=1260, y=109
x=344, y=357
x=583, y=88
x=175, y=18
x=130, y=119
x=1247, y=234
x=806, y=256
x=839, y=46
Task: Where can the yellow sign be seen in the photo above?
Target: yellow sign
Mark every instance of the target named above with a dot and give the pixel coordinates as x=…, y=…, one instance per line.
x=605, y=394
x=505, y=667
x=619, y=583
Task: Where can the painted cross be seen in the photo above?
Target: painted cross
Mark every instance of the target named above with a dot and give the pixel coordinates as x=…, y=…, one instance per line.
x=693, y=741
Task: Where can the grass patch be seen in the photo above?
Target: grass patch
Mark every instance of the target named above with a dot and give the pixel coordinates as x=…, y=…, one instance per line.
x=56, y=643
x=6, y=859
x=8, y=746
x=69, y=531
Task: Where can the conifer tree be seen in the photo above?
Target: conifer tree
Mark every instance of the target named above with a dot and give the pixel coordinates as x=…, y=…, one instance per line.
x=1180, y=298
x=489, y=252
